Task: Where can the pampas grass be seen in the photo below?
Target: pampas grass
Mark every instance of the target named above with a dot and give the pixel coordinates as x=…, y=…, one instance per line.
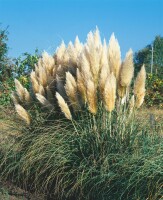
x=34, y=81
x=64, y=107
x=91, y=97
x=114, y=56
x=27, y=96
x=20, y=90
x=15, y=98
x=81, y=86
x=23, y=113
x=100, y=152
x=71, y=90
x=127, y=70
x=44, y=101
x=110, y=92
x=139, y=87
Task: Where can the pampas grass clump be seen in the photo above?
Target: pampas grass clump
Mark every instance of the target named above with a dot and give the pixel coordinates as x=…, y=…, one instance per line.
x=89, y=144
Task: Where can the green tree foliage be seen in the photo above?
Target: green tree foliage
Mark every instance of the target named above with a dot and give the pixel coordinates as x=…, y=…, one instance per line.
x=23, y=65
x=144, y=56
x=5, y=63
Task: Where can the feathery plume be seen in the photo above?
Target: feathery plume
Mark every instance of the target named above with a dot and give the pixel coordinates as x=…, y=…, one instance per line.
x=20, y=90
x=104, y=59
x=36, y=70
x=91, y=97
x=114, y=56
x=42, y=76
x=97, y=38
x=60, y=52
x=139, y=87
x=81, y=86
x=104, y=69
x=64, y=107
x=72, y=54
x=121, y=90
x=48, y=62
x=23, y=113
x=110, y=92
x=85, y=68
x=78, y=45
x=41, y=90
x=44, y=101
x=27, y=96
x=15, y=98
x=93, y=53
x=71, y=90
x=35, y=84
x=103, y=77
x=127, y=70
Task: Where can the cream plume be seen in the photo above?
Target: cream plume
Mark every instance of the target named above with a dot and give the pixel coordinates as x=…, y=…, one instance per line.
x=15, y=98
x=35, y=84
x=71, y=90
x=104, y=59
x=42, y=76
x=60, y=52
x=20, y=90
x=23, y=113
x=97, y=38
x=110, y=92
x=121, y=90
x=127, y=70
x=48, y=62
x=41, y=90
x=27, y=96
x=44, y=101
x=139, y=87
x=72, y=54
x=64, y=107
x=104, y=69
x=91, y=97
x=103, y=77
x=114, y=56
x=78, y=45
x=85, y=68
x=81, y=86
x=93, y=53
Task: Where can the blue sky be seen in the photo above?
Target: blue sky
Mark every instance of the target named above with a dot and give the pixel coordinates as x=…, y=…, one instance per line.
x=43, y=24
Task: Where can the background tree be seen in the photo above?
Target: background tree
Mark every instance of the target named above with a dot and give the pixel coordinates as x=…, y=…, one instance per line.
x=5, y=63
x=144, y=56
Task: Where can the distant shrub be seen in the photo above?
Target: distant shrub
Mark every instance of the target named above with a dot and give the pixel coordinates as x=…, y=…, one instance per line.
x=154, y=92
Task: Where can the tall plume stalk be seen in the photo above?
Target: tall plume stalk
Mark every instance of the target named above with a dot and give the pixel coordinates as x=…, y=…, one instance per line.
x=82, y=76
x=139, y=87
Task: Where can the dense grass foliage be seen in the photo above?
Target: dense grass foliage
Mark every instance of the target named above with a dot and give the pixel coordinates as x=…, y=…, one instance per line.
x=87, y=160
